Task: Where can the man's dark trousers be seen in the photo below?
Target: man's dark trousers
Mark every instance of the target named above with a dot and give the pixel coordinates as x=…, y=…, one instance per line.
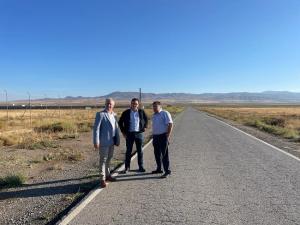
x=138, y=138
x=161, y=151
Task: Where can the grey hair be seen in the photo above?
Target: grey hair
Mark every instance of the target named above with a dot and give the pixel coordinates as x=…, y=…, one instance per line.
x=109, y=100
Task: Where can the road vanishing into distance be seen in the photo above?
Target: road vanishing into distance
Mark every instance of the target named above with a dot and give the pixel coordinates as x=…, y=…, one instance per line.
x=219, y=176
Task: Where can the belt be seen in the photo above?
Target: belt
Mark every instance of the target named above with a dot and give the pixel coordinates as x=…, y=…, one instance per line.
x=135, y=132
x=157, y=135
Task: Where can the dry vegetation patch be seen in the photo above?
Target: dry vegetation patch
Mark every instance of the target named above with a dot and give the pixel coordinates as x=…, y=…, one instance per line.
x=277, y=120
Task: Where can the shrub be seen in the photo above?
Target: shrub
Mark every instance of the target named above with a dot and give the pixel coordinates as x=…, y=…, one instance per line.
x=57, y=127
x=12, y=181
x=37, y=144
x=9, y=140
x=84, y=126
x=66, y=156
x=275, y=121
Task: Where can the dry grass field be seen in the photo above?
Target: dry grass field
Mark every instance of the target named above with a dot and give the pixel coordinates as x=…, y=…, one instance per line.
x=279, y=120
x=47, y=137
x=29, y=130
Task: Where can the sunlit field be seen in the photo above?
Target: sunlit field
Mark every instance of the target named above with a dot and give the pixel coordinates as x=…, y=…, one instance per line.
x=283, y=121
x=37, y=128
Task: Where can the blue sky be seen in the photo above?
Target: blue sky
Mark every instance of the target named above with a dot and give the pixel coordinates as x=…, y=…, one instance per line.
x=91, y=48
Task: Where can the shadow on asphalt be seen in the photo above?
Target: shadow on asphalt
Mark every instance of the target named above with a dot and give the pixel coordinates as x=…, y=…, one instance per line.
x=48, y=191
x=59, y=181
x=133, y=174
x=138, y=177
x=28, y=192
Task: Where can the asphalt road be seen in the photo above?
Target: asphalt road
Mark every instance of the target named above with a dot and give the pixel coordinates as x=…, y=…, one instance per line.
x=219, y=176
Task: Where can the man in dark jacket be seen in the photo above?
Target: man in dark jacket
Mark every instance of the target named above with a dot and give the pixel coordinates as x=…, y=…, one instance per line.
x=133, y=123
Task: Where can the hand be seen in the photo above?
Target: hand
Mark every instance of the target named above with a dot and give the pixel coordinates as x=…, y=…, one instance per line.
x=124, y=135
x=168, y=137
x=96, y=147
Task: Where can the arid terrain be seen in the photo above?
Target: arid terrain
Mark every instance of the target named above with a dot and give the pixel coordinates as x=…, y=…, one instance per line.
x=47, y=161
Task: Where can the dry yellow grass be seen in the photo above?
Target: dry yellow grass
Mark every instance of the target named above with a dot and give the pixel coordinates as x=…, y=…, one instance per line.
x=20, y=119
x=39, y=131
x=278, y=120
x=38, y=128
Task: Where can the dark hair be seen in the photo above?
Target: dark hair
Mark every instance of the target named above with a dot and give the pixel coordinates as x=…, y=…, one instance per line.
x=135, y=99
x=156, y=103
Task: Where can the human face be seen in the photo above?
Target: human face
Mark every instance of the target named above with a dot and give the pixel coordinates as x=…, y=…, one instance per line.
x=109, y=105
x=156, y=108
x=134, y=105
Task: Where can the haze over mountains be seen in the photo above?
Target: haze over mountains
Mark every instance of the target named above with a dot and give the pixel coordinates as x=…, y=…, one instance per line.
x=267, y=96
x=235, y=97
x=263, y=97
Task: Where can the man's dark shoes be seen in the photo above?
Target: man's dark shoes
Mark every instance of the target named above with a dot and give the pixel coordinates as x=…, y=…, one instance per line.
x=125, y=171
x=166, y=174
x=157, y=171
x=142, y=170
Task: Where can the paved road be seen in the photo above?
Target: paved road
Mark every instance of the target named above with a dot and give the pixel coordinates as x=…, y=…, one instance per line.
x=220, y=176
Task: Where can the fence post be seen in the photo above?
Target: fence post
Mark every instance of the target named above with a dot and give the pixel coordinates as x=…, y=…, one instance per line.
x=30, y=122
x=6, y=101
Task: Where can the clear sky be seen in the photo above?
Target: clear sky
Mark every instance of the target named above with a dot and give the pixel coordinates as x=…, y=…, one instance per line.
x=94, y=47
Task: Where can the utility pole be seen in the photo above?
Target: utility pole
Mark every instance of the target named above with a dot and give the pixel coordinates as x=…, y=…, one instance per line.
x=141, y=98
x=140, y=91
x=46, y=105
x=6, y=101
x=59, y=106
x=30, y=121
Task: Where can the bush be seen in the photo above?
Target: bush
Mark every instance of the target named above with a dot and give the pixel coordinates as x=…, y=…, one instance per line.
x=275, y=121
x=264, y=127
x=64, y=156
x=2, y=124
x=16, y=180
x=9, y=140
x=1, y=142
x=57, y=127
x=291, y=134
x=37, y=144
x=84, y=126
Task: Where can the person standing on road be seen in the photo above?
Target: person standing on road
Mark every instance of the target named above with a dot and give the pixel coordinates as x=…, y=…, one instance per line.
x=162, y=125
x=105, y=136
x=133, y=123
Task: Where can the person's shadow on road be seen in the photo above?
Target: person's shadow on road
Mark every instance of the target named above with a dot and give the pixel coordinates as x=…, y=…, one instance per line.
x=136, y=176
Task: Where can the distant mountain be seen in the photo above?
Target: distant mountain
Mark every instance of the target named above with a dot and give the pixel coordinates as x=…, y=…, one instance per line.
x=263, y=97
x=234, y=97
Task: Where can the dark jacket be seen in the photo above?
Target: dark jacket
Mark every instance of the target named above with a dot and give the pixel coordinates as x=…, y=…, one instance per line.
x=124, y=122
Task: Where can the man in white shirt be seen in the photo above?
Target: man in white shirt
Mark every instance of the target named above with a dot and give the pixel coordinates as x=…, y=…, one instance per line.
x=162, y=125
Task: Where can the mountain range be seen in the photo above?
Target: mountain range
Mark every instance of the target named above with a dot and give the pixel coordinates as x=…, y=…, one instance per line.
x=234, y=97
x=247, y=97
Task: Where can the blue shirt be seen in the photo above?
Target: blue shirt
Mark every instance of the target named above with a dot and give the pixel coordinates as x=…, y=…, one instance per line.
x=134, y=121
x=160, y=122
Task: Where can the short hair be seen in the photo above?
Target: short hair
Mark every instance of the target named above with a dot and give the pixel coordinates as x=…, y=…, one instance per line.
x=156, y=103
x=135, y=99
x=109, y=100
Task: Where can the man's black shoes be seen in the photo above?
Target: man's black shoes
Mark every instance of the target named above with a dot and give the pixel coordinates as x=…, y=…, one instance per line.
x=125, y=171
x=157, y=171
x=166, y=174
x=142, y=170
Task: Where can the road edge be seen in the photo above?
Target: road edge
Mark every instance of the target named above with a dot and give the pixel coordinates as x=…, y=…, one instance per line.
x=94, y=192
x=253, y=137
